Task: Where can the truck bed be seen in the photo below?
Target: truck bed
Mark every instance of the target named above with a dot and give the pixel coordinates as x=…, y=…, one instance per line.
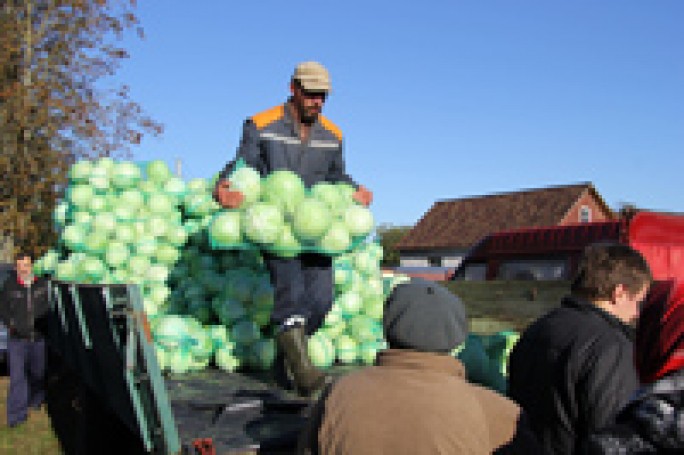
x=240, y=412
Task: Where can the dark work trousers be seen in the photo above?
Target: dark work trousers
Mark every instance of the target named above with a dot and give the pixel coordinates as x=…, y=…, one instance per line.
x=26, y=360
x=303, y=286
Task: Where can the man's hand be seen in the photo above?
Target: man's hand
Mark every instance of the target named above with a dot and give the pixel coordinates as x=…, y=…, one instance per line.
x=363, y=196
x=225, y=197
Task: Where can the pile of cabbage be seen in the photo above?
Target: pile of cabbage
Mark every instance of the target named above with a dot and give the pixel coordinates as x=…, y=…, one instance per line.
x=217, y=312
x=352, y=331
x=119, y=222
x=124, y=222
x=280, y=215
x=486, y=358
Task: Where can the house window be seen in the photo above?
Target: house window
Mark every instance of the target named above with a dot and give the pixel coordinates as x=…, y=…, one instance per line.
x=585, y=214
x=475, y=272
x=435, y=261
x=534, y=269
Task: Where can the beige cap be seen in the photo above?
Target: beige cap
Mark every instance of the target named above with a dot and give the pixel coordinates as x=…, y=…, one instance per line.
x=312, y=76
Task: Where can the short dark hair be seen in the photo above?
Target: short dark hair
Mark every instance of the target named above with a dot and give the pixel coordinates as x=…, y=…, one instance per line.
x=604, y=266
x=23, y=254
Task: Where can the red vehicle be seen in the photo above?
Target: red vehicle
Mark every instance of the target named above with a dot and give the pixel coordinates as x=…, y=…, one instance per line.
x=660, y=238
x=551, y=253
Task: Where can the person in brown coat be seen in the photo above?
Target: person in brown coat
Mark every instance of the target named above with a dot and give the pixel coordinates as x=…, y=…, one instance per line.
x=416, y=399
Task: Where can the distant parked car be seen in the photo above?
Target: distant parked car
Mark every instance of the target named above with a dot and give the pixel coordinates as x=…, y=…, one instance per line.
x=5, y=270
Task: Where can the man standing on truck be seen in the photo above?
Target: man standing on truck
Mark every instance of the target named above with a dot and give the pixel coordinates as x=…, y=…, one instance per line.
x=296, y=137
x=23, y=309
x=572, y=370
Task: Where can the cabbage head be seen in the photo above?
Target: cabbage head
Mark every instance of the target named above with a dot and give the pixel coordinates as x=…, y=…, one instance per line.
x=287, y=245
x=225, y=229
x=158, y=172
x=179, y=361
x=226, y=360
x=283, y=188
x=80, y=171
x=104, y=221
x=175, y=186
x=166, y=254
x=328, y=193
x=66, y=271
x=263, y=223
x=346, y=349
x=263, y=354
x=74, y=237
x=79, y=195
x=98, y=203
x=228, y=310
x=160, y=203
x=198, y=185
x=245, y=332
x=311, y=220
x=337, y=239
x=125, y=174
x=350, y=303
x=248, y=181
x=359, y=220
x=95, y=242
x=91, y=270
x=99, y=177
x=321, y=350
x=176, y=235
x=59, y=215
x=132, y=198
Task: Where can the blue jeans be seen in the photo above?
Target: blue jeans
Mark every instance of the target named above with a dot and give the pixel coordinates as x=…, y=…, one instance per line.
x=303, y=286
x=26, y=360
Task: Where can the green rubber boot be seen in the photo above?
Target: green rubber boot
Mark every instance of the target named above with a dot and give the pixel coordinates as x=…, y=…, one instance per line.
x=308, y=380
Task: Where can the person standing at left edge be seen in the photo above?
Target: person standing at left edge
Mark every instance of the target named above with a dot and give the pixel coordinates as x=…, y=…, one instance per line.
x=295, y=136
x=24, y=309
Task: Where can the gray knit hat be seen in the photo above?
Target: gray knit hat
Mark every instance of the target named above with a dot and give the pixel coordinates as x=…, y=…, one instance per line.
x=424, y=316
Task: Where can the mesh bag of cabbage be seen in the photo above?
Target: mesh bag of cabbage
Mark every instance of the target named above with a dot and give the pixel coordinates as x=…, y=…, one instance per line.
x=283, y=217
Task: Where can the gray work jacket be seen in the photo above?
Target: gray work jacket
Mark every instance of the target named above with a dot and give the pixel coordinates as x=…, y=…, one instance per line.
x=270, y=141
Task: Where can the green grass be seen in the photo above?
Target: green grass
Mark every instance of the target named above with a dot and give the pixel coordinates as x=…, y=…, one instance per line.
x=35, y=436
x=507, y=305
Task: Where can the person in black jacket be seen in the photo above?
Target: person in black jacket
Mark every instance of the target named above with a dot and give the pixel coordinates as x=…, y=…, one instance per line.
x=652, y=420
x=295, y=136
x=572, y=369
x=23, y=309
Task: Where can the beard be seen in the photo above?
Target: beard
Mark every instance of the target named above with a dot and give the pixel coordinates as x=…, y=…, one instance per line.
x=306, y=114
x=309, y=116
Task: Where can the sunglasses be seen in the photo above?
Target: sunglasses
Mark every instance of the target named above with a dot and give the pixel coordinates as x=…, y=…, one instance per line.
x=313, y=94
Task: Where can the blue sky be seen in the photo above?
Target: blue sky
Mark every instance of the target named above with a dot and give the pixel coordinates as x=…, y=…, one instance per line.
x=436, y=99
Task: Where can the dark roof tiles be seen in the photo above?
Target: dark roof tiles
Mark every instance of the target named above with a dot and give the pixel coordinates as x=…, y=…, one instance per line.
x=459, y=223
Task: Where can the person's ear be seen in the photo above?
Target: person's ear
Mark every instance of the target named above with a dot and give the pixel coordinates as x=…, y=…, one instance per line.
x=620, y=294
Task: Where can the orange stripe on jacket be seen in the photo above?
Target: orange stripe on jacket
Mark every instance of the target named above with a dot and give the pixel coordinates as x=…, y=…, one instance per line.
x=265, y=118
x=330, y=126
x=268, y=116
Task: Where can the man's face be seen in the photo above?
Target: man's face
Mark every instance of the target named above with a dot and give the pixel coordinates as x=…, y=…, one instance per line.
x=309, y=104
x=24, y=266
x=629, y=304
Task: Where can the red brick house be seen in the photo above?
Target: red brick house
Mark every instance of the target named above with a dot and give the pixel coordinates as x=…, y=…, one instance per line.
x=451, y=228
